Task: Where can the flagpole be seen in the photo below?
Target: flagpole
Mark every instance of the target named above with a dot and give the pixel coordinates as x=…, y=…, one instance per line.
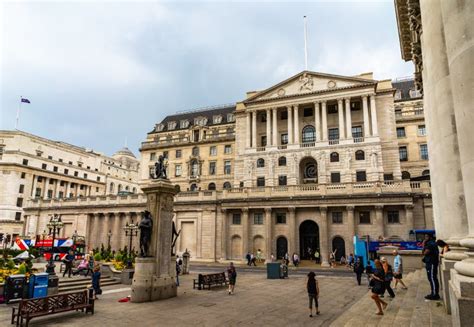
x=18, y=114
x=305, y=45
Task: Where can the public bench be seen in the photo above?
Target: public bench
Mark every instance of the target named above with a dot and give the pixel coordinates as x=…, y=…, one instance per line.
x=209, y=280
x=45, y=306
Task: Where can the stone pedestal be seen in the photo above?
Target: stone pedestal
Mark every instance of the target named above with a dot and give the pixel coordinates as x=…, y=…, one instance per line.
x=456, y=253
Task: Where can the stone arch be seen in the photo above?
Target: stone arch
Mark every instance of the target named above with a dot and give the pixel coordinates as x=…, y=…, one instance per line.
x=236, y=248
x=260, y=163
x=308, y=134
x=227, y=186
x=259, y=243
x=308, y=170
x=359, y=155
x=339, y=244
x=112, y=187
x=211, y=187
x=281, y=247
x=119, y=188
x=406, y=175
x=309, y=238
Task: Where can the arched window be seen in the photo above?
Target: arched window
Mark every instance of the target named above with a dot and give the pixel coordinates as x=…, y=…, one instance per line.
x=425, y=172
x=309, y=134
x=126, y=188
x=120, y=188
x=112, y=187
x=227, y=186
x=195, y=151
x=194, y=168
x=406, y=175
x=360, y=155
x=334, y=157
x=211, y=187
x=260, y=163
x=134, y=190
x=282, y=161
x=193, y=187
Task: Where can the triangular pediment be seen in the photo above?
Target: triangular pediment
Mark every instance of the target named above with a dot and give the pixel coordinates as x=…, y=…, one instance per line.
x=308, y=82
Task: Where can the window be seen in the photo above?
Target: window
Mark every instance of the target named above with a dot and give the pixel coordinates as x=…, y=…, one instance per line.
x=51, y=181
x=19, y=202
x=403, y=153
x=25, y=162
x=62, y=183
x=70, y=162
x=360, y=155
x=201, y=121
x=184, y=123
x=22, y=188
x=165, y=155
x=193, y=187
x=333, y=134
x=212, y=168
x=98, y=178
x=284, y=115
x=332, y=108
x=85, y=175
x=227, y=186
x=263, y=118
x=398, y=95
x=236, y=219
x=195, y=151
x=309, y=134
x=44, y=166
x=230, y=118
x=364, y=217
x=334, y=157
x=66, y=171
x=282, y=161
x=415, y=93
x=213, y=151
x=81, y=187
x=50, y=194
x=335, y=177
x=260, y=163
x=211, y=187
x=424, y=151
x=171, y=125
x=60, y=194
x=406, y=175
x=97, y=190
x=60, y=160
x=361, y=176
x=258, y=218
x=177, y=170
x=282, y=180
x=178, y=154
x=76, y=173
x=260, y=181
x=153, y=156
x=425, y=172
x=227, y=149
x=40, y=179
x=307, y=112
x=281, y=218
x=337, y=217
x=356, y=105
x=227, y=167
x=37, y=192
x=194, y=168
x=263, y=140
x=401, y=132
x=357, y=132
x=196, y=135
x=284, y=139
x=393, y=217
x=55, y=168
x=17, y=216
x=23, y=175
x=388, y=177
x=421, y=130
x=73, y=185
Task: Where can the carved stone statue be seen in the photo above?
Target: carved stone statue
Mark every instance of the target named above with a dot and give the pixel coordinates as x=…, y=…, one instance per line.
x=322, y=162
x=145, y=226
x=306, y=83
x=174, y=237
x=160, y=168
x=373, y=158
x=348, y=159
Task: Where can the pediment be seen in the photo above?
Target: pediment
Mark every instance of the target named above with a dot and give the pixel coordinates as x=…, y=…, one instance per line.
x=308, y=82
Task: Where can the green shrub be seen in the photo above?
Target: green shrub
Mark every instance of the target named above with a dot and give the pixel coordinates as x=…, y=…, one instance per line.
x=119, y=257
x=97, y=257
x=10, y=264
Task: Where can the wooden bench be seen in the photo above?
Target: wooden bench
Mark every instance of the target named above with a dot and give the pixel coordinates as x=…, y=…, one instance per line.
x=44, y=306
x=209, y=280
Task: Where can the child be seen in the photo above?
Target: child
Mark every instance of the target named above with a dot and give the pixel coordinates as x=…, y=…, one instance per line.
x=313, y=293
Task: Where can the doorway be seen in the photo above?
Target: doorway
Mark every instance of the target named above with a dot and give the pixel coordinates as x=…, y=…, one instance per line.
x=282, y=247
x=309, y=239
x=339, y=246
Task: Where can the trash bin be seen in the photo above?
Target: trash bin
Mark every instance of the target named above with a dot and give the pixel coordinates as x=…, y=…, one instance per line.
x=15, y=287
x=38, y=285
x=273, y=270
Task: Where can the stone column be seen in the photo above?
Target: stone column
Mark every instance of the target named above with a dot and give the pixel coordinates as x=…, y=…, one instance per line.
x=33, y=187
x=350, y=228
x=224, y=225
x=105, y=229
x=56, y=187
x=275, y=127
x=348, y=118
x=365, y=112
x=117, y=231
x=340, y=111
x=292, y=230
x=269, y=128
x=248, y=135
x=317, y=121
x=268, y=232
x=323, y=236
x=254, y=129
x=290, y=126
x=127, y=218
x=89, y=222
x=297, y=125
x=409, y=217
x=324, y=117
x=44, y=192
x=68, y=185
x=245, y=231
x=96, y=231
x=373, y=114
x=379, y=223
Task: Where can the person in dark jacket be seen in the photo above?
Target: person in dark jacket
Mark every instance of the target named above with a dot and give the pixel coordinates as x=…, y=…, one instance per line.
x=378, y=288
x=69, y=261
x=387, y=268
x=96, y=281
x=358, y=269
x=312, y=287
x=431, y=260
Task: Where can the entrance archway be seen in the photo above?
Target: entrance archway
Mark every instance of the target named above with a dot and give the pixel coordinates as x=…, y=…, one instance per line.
x=282, y=247
x=236, y=248
x=309, y=238
x=308, y=170
x=339, y=244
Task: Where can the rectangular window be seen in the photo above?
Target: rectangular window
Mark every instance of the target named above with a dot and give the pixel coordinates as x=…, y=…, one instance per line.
x=333, y=133
x=364, y=217
x=236, y=219
x=60, y=160
x=335, y=177
x=357, y=131
x=71, y=195
x=19, y=202
x=213, y=151
x=403, y=153
x=263, y=141
x=401, y=132
x=25, y=162
x=98, y=178
x=85, y=175
x=37, y=192
x=62, y=183
x=97, y=189
x=76, y=173
x=393, y=217
x=165, y=154
x=258, y=218
x=55, y=168
x=281, y=218
x=66, y=171
x=152, y=156
x=70, y=162
x=284, y=115
x=81, y=187
x=284, y=139
x=424, y=151
x=227, y=167
x=50, y=194
x=177, y=170
x=388, y=177
x=51, y=181
x=421, y=130
x=44, y=166
x=260, y=181
x=336, y=217
x=196, y=136
x=60, y=194
x=18, y=216
x=227, y=149
x=212, y=168
x=332, y=108
x=361, y=176
x=307, y=112
x=178, y=154
x=40, y=179
x=22, y=188
x=282, y=180
x=23, y=175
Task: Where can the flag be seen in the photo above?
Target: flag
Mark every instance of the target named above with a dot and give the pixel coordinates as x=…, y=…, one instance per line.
x=25, y=100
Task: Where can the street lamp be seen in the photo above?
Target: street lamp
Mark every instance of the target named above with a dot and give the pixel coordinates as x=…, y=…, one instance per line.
x=131, y=230
x=54, y=225
x=109, y=235
x=43, y=236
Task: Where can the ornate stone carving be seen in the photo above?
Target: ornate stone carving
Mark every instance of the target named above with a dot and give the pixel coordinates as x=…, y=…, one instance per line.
x=145, y=226
x=348, y=159
x=374, y=158
x=331, y=84
x=281, y=92
x=306, y=82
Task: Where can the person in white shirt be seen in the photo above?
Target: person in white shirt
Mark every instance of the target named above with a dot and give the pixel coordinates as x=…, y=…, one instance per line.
x=398, y=269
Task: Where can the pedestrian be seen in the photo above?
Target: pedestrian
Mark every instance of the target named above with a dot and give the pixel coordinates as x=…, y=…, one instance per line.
x=358, y=269
x=431, y=260
x=90, y=260
x=398, y=269
x=316, y=256
x=342, y=260
x=96, y=281
x=369, y=271
x=69, y=261
x=387, y=268
x=178, y=270
x=259, y=256
x=350, y=260
x=332, y=259
x=296, y=259
x=247, y=257
x=377, y=284
x=232, y=276
x=272, y=258
x=287, y=258
x=253, y=260
x=310, y=253
x=312, y=286
x=444, y=247
x=83, y=266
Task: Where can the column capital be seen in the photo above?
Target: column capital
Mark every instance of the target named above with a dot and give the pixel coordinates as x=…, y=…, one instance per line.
x=409, y=206
x=323, y=209
x=223, y=210
x=365, y=96
x=317, y=102
x=245, y=210
x=350, y=208
x=291, y=209
x=288, y=107
x=295, y=106
x=323, y=101
x=339, y=100
x=347, y=98
x=268, y=210
x=379, y=207
x=274, y=108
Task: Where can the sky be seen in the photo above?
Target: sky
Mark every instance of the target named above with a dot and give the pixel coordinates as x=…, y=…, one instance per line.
x=101, y=74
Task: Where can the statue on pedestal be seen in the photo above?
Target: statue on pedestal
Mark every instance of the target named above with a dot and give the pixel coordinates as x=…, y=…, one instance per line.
x=174, y=237
x=160, y=168
x=145, y=226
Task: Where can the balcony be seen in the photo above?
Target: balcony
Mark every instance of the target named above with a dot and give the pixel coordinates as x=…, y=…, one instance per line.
x=409, y=114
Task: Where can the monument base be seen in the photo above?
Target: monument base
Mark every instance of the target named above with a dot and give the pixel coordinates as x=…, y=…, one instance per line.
x=461, y=296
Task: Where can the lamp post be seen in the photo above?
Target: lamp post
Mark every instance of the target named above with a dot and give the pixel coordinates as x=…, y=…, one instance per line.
x=131, y=230
x=109, y=235
x=55, y=224
x=43, y=236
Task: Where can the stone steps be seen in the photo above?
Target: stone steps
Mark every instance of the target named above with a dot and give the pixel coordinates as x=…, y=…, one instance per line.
x=79, y=284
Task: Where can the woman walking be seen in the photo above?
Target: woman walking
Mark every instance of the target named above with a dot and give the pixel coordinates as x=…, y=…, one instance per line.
x=232, y=275
x=377, y=283
x=312, y=287
x=387, y=268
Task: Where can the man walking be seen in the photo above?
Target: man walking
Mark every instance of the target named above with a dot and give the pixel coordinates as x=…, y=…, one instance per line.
x=69, y=261
x=431, y=260
x=398, y=269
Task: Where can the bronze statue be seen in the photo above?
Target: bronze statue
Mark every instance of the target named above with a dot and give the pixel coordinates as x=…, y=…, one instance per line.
x=160, y=168
x=145, y=226
x=174, y=237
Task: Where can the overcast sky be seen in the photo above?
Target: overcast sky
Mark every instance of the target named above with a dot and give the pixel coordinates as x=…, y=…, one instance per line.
x=98, y=73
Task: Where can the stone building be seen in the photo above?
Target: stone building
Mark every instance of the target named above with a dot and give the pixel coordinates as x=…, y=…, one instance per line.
x=35, y=167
